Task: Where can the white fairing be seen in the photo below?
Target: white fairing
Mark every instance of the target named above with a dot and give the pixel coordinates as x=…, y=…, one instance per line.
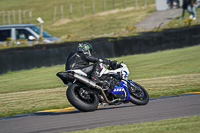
x=122, y=70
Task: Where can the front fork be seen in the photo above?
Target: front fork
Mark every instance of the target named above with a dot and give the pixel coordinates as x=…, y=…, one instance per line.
x=133, y=84
x=124, y=85
x=137, y=91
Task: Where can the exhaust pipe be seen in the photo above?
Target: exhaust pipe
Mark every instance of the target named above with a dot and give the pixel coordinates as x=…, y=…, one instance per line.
x=113, y=102
x=94, y=85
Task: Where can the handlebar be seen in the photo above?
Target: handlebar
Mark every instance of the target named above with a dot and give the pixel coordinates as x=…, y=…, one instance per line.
x=117, y=65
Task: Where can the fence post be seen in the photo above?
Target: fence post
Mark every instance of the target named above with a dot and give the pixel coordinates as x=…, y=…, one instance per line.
x=13, y=12
x=114, y=4
x=61, y=11
x=30, y=16
x=145, y=2
x=8, y=16
x=136, y=3
x=3, y=17
x=19, y=16
x=93, y=7
x=70, y=10
x=124, y=4
x=83, y=8
x=24, y=16
x=54, y=14
x=104, y=5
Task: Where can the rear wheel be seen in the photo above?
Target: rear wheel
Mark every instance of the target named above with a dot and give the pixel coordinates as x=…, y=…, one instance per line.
x=81, y=98
x=138, y=94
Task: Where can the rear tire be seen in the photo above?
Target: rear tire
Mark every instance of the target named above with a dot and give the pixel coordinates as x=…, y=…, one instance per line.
x=139, y=96
x=85, y=105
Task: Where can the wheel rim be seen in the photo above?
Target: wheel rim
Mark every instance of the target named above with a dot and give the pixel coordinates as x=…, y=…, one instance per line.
x=137, y=92
x=84, y=95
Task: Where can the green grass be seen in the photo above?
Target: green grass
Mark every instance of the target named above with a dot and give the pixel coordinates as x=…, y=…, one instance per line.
x=34, y=79
x=161, y=73
x=99, y=25
x=190, y=124
x=160, y=63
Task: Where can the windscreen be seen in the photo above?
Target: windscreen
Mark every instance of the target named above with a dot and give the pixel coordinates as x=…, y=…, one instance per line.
x=37, y=30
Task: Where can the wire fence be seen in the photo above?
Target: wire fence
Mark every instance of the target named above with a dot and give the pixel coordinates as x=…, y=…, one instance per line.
x=16, y=16
x=91, y=8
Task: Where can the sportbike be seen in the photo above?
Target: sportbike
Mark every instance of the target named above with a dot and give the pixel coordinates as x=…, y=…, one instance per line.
x=85, y=95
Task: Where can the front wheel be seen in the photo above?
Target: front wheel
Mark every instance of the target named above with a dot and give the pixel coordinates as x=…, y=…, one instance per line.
x=138, y=94
x=81, y=98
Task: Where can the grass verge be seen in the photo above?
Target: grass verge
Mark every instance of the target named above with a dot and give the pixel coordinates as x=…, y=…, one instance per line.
x=176, y=125
x=161, y=73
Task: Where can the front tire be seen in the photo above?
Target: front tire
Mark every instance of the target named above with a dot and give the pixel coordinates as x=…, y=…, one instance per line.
x=83, y=102
x=138, y=94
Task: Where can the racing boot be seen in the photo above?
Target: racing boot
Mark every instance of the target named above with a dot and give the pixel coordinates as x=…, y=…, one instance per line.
x=95, y=78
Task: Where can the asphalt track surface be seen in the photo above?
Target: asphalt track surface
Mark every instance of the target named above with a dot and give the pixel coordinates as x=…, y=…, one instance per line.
x=54, y=122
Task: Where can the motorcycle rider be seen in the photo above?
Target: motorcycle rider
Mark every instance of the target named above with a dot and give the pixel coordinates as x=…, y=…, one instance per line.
x=81, y=60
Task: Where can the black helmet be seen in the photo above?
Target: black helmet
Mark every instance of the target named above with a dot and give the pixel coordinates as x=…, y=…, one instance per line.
x=85, y=47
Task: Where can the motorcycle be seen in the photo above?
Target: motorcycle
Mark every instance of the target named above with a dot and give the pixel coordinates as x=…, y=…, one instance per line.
x=86, y=95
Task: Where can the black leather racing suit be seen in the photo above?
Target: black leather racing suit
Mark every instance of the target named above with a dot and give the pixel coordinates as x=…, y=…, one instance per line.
x=81, y=61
